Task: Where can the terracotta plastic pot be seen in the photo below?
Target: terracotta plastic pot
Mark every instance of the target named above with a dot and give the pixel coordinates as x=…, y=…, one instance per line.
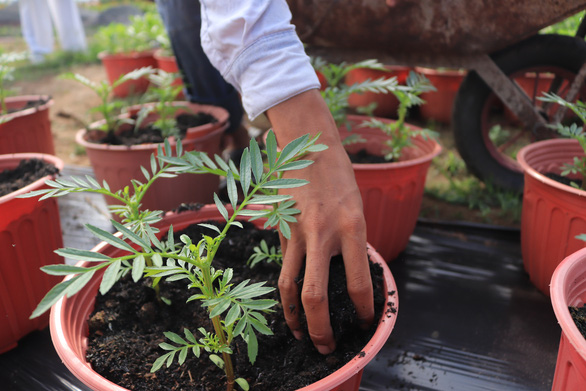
x=391, y=192
x=438, y=104
x=553, y=213
x=29, y=233
x=568, y=288
x=118, y=165
x=69, y=328
x=27, y=130
x=387, y=104
x=117, y=65
x=322, y=80
x=169, y=64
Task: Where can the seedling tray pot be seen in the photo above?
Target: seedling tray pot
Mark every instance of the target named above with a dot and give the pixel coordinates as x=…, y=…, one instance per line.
x=553, y=213
x=29, y=233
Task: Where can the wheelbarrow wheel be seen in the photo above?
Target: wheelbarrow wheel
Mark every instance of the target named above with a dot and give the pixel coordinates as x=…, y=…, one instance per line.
x=487, y=134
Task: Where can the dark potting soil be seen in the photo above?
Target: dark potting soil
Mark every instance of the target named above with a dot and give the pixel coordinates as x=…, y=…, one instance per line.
x=28, y=105
x=128, y=324
x=150, y=135
x=363, y=157
x=24, y=174
x=563, y=179
x=579, y=317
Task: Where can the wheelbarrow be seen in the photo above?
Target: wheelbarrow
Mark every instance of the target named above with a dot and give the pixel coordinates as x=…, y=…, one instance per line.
x=510, y=65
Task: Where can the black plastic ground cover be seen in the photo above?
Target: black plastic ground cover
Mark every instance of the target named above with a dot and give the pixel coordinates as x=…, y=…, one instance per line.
x=469, y=319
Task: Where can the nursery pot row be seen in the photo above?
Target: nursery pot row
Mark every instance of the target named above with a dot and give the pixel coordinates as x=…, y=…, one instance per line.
x=69, y=329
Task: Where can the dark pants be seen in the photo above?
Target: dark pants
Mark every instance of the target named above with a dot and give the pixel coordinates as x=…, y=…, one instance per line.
x=203, y=82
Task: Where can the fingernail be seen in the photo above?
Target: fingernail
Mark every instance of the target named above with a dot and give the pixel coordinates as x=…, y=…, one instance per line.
x=298, y=335
x=323, y=349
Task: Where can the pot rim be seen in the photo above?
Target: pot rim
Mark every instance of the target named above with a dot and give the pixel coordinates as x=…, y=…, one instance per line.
x=81, y=139
x=529, y=170
x=437, y=148
x=82, y=369
x=441, y=72
x=134, y=54
x=17, y=157
x=561, y=281
x=31, y=110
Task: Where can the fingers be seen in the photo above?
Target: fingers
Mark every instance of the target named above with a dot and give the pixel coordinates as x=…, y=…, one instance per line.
x=293, y=259
x=315, y=301
x=358, y=280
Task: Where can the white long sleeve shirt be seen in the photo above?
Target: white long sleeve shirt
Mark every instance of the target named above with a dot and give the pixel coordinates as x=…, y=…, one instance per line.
x=254, y=46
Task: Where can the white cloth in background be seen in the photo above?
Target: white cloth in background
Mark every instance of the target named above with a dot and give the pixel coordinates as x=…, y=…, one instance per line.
x=37, y=18
x=254, y=46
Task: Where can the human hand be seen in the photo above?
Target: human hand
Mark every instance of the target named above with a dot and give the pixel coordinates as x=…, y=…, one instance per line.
x=331, y=222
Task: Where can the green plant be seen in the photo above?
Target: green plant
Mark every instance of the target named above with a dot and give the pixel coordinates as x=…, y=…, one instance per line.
x=108, y=107
x=572, y=131
x=336, y=93
x=235, y=311
x=262, y=253
x=400, y=135
x=163, y=93
x=6, y=75
x=143, y=33
x=568, y=26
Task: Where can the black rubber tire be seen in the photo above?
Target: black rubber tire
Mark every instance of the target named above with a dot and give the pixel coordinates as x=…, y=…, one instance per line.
x=564, y=52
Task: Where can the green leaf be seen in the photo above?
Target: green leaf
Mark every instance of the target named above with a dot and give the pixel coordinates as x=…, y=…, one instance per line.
x=210, y=226
x=217, y=360
x=52, y=297
x=232, y=315
x=252, y=343
x=110, y=277
x=82, y=255
x=131, y=235
x=256, y=160
x=232, y=190
x=182, y=355
x=291, y=149
x=109, y=238
x=253, y=213
x=159, y=362
x=269, y=199
x=285, y=229
x=271, y=147
x=242, y=383
x=295, y=165
x=220, y=308
x=221, y=207
x=138, y=267
x=175, y=338
x=63, y=270
x=245, y=171
x=285, y=183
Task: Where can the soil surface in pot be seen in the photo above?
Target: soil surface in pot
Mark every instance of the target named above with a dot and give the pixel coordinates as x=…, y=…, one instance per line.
x=579, y=317
x=127, y=326
x=363, y=157
x=563, y=179
x=24, y=174
x=151, y=135
x=28, y=104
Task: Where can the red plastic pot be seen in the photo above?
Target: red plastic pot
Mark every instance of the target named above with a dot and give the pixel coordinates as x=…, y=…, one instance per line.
x=120, y=64
x=391, y=192
x=168, y=63
x=30, y=230
x=553, y=213
x=69, y=328
x=568, y=288
x=118, y=165
x=27, y=130
x=438, y=104
x=387, y=104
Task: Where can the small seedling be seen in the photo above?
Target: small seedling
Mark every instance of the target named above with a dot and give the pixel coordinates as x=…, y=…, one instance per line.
x=262, y=253
x=234, y=311
x=578, y=166
x=108, y=107
x=399, y=134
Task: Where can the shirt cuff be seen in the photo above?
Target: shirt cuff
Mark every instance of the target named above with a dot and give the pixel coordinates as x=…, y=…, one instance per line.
x=270, y=71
